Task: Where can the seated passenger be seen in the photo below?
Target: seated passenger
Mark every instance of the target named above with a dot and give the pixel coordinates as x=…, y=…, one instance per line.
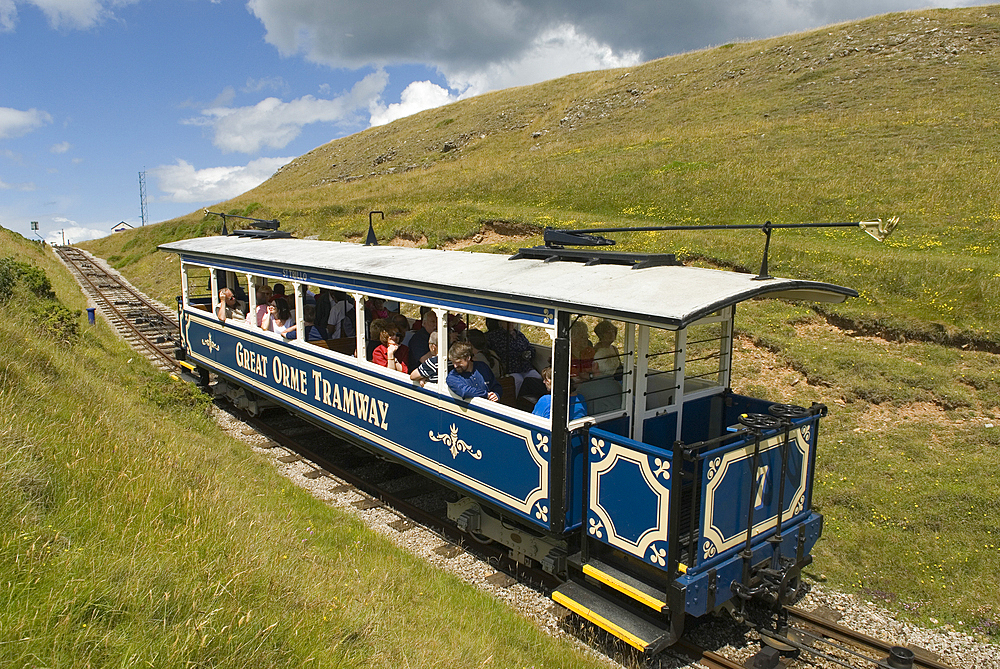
x=403, y=323
x=375, y=309
x=469, y=379
x=229, y=306
x=455, y=324
x=481, y=352
x=577, y=405
x=263, y=298
x=279, y=293
x=374, y=336
x=278, y=318
x=428, y=369
x=241, y=295
x=419, y=348
x=313, y=332
x=581, y=353
x=340, y=321
x=513, y=349
x=390, y=353
x=606, y=358
x=324, y=304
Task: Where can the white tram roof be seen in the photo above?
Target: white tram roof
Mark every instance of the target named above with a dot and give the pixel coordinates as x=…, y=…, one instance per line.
x=671, y=296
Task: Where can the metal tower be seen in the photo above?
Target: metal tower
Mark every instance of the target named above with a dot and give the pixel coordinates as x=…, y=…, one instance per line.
x=142, y=195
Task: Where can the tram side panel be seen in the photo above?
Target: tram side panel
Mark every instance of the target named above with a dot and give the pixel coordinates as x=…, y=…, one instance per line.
x=489, y=455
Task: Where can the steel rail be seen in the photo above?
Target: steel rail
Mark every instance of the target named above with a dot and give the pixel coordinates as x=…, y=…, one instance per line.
x=706, y=658
x=832, y=630
x=76, y=260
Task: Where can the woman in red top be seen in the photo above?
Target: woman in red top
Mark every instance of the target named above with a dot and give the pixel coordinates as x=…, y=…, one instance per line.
x=390, y=352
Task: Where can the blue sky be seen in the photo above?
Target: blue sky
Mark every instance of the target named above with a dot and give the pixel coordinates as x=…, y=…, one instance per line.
x=209, y=98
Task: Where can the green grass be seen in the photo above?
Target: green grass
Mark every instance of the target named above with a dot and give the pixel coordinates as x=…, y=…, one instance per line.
x=879, y=118
x=133, y=533
x=891, y=116
x=906, y=467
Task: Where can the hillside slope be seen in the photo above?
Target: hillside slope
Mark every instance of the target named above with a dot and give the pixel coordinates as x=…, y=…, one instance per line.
x=133, y=532
x=891, y=116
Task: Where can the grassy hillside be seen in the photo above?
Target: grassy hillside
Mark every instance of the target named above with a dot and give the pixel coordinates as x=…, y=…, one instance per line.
x=893, y=116
x=133, y=533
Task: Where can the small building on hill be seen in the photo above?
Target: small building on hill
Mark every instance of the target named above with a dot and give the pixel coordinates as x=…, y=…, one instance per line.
x=121, y=227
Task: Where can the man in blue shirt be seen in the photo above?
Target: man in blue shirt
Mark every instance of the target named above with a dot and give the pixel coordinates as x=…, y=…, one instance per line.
x=468, y=378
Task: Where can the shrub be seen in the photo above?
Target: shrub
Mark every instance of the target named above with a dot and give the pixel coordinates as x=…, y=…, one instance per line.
x=12, y=271
x=8, y=278
x=57, y=321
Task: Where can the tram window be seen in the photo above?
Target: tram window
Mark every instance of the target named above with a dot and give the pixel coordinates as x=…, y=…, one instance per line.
x=598, y=353
x=199, y=285
x=705, y=357
x=701, y=349
x=661, y=368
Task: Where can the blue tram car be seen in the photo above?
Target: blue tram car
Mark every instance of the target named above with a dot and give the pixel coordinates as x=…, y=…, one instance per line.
x=672, y=496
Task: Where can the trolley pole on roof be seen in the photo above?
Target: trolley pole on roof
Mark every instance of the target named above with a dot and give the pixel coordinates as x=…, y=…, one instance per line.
x=557, y=239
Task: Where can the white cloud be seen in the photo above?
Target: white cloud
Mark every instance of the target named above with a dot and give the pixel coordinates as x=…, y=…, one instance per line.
x=71, y=232
x=68, y=14
x=273, y=123
x=61, y=147
x=183, y=183
x=416, y=97
x=26, y=187
x=272, y=83
x=554, y=53
x=482, y=45
x=14, y=122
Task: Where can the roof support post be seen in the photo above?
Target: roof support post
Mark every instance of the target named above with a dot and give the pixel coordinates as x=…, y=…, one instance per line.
x=184, y=285
x=680, y=364
x=360, y=351
x=560, y=416
x=214, y=281
x=442, y=332
x=641, y=380
x=300, y=328
x=251, y=299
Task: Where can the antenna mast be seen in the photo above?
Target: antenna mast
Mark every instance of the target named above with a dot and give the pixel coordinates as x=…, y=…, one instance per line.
x=142, y=195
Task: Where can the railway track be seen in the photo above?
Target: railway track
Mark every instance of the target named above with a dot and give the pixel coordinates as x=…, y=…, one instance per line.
x=410, y=496
x=819, y=636
x=148, y=327
x=152, y=330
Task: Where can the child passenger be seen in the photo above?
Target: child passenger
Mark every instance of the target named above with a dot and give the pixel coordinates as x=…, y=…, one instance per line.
x=577, y=405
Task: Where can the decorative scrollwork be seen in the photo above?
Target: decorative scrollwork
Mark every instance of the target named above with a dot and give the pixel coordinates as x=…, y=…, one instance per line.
x=713, y=468
x=658, y=555
x=543, y=443
x=708, y=549
x=209, y=344
x=596, y=527
x=541, y=512
x=456, y=445
x=799, y=505
x=662, y=468
x=597, y=447
x=806, y=432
